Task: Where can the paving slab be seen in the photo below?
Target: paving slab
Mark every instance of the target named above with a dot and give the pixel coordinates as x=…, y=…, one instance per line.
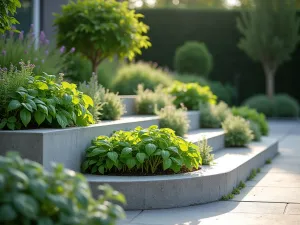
x=130, y=215
x=269, y=194
x=293, y=209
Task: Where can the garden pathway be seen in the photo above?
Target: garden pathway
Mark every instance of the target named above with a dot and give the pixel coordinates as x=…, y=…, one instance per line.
x=271, y=198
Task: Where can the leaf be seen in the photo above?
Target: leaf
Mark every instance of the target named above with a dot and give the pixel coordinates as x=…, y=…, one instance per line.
x=165, y=154
x=109, y=164
x=88, y=100
x=150, y=148
x=39, y=117
x=131, y=162
x=96, y=151
x=167, y=164
x=176, y=161
x=11, y=126
x=43, y=108
x=25, y=116
x=141, y=157
x=38, y=101
x=44, y=221
x=7, y=213
x=13, y=105
x=2, y=124
x=12, y=119
x=126, y=151
x=173, y=149
x=27, y=106
x=49, y=118
x=62, y=120
x=52, y=110
x=85, y=165
x=67, y=99
x=41, y=85
x=26, y=205
x=38, y=188
x=113, y=156
x=32, y=103
x=183, y=146
x=101, y=169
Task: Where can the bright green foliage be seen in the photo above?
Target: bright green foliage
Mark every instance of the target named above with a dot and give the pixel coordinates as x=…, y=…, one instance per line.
x=22, y=48
x=94, y=90
x=253, y=115
x=46, y=103
x=224, y=92
x=227, y=197
x=101, y=29
x=285, y=106
x=270, y=35
x=191, y=95
x=146, y=151
x=148, y=101
x=242, y=185
x=255, y=128
x=252, y=174
x=175, y=119
x=212, y=116
x=237, y=131
x=194, y=58
x=130, y=76
x=205, y=152
x=31, y=195
x=236, y=191
x=7, y=9
x=261, y=103
x=281, y=105
x=112, y=108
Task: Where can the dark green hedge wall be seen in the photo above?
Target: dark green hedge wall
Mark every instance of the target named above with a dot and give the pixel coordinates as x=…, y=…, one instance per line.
x=170, y=28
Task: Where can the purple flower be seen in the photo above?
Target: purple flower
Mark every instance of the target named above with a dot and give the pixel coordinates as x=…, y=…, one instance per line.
x=43, y=38
x=72, y=50
x=46, y=52
x=47, y=42
x=11, y=32
x=21, y=35
x=3, y=52
x=62, y=49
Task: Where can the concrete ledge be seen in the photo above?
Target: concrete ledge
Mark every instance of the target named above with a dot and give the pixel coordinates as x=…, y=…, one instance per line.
x=194, y=120
x=129, y=103
x=207, y=185
x=65, y=146
x=215, y=137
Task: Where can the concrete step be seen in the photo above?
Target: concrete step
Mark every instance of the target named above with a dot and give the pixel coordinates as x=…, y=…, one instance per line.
x=68, y=145
x=215, y=137
x=209, y=184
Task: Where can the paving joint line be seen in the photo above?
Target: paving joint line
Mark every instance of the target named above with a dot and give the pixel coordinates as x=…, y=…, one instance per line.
x=136, y=216
x=284, y=211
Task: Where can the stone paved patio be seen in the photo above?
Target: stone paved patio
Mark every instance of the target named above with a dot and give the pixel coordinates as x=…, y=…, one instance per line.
x=272, y=198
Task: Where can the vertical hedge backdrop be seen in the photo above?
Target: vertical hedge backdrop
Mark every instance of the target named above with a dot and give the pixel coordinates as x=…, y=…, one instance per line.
x=170, y=28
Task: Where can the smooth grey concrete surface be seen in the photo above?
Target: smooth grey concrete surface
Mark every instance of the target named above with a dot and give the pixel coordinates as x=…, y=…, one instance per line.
x=129, y=103
x=260, y=211
x=215, y=137
x=194, y=120
x=206, y=185
x=65, y=146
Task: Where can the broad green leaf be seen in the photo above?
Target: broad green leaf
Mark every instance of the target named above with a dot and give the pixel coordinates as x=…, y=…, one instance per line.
x=75, y=100
x=13, y=105
x=141, y=157
x=183, y=146
x=27, y=106
x=2, y=124
x=38, y=101
x=109, y=164
x=12, y=119
x=62, y=120
x=92, y=162
x=44, y=221
x=82, y=197
x=113, y=156
x=165, y=154
x=26, y=205
x=167, y=163
x=131, y=162
x=176, y=161
x=40, y=85
x=59, y=201
x=67, y=99
x=7, y=213
x=49, y=118
x=85, y=165
x=158, y=152
x=52, y=110
x=25, y=116
x=173, y=149
x=11, y=126
x=43, y=108
x=163, y=144
x=150, y=148
x=33, y=92
x=101, y=169
x=126, y=151
x=176, y=168
x=32, y=103
x=39, y=117
x=38, y=188
x=96, y=151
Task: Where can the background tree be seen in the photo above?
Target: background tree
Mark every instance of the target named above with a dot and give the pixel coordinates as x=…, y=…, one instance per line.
x=101, y=29
x=270, y=34
x=7, y=9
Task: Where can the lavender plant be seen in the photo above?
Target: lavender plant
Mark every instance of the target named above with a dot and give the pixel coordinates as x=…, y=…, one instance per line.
x=16, y=47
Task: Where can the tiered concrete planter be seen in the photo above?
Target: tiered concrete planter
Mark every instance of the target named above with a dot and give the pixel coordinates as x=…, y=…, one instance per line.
x=203, y=186
x=65, y=146
x=129, y=103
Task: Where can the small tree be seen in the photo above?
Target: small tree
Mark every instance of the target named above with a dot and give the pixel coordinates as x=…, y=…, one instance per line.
x=270, y=34
x=101, y=29
x=7, y=9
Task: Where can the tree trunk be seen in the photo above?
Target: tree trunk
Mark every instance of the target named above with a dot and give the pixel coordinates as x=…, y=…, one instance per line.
x=94, y=66
x=270, y=81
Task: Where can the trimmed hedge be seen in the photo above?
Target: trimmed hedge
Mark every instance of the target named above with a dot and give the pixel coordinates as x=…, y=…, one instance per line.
x=217, y=29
